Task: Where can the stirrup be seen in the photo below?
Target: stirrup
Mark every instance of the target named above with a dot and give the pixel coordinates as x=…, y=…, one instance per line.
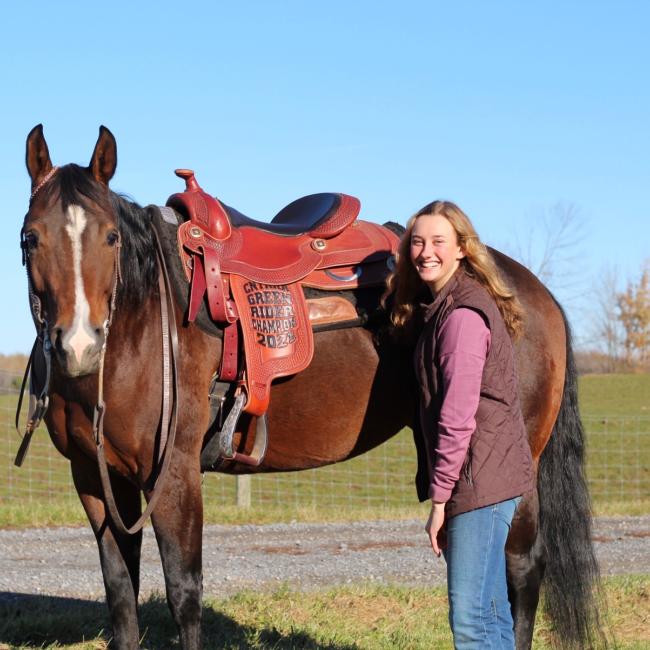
x=220, y=446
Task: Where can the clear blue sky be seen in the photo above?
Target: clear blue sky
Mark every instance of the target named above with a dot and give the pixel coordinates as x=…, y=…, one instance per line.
x=504, y=107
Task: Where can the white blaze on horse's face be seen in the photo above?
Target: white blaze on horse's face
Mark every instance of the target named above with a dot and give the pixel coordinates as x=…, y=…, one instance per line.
x=80, y=335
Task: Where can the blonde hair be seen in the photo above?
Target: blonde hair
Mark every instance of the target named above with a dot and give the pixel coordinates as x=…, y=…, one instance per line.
x=404, y=284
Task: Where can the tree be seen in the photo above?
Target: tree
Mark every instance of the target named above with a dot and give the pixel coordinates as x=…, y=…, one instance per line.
x=551, y=246
x=607, y=333
x=634, y=314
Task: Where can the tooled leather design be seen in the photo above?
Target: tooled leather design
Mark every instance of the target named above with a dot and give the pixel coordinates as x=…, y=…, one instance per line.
x=346, y=213
x=362, y=242
x=265, y=362
x=265, y=257
x=201, y=209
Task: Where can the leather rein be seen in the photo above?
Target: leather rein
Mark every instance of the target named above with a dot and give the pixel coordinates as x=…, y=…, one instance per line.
x=42, y=351
x=168, y=423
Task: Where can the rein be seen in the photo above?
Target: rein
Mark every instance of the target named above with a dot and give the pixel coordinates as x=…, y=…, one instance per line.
x=170, y=396
x=39, y=383
x=39, y=365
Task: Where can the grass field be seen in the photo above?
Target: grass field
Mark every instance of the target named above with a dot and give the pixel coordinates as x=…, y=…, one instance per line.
x=615, y=408
x=372, y=617
x=615, y=395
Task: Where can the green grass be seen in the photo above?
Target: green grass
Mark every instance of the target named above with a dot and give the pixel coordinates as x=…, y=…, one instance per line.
x=615, y=395
x=376, y=485
x=372, y=617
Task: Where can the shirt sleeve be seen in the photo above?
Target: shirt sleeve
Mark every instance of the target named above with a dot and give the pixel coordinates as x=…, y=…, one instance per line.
x=463, y=344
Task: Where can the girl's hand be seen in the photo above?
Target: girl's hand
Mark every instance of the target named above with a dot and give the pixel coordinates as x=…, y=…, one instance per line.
x=434, y=525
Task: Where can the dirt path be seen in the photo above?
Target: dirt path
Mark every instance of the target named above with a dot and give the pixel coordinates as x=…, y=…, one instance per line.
x=64, y=561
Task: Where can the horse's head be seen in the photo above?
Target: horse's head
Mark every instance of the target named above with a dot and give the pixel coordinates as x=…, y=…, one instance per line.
x=70, y=244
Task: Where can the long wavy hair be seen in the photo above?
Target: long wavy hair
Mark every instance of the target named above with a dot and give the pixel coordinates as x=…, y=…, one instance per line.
x=404, y=285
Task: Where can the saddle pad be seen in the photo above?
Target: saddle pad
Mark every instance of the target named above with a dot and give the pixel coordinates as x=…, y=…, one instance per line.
x=277, y=335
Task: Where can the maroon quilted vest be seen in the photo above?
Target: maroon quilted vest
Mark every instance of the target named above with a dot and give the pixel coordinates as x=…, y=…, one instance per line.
x=498, y=465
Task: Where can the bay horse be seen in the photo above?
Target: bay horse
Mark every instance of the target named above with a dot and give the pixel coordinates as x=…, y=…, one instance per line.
x=357, y=392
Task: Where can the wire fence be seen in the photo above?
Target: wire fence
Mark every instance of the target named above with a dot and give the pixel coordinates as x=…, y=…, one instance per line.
x=618, y=469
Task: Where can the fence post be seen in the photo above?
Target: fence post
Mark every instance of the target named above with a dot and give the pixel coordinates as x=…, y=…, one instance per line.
x=243, y=491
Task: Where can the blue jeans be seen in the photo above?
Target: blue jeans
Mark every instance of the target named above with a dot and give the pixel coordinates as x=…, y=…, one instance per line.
x=479, y=611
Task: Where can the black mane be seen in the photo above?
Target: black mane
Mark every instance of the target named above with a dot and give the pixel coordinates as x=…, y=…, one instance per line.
x=75, y=185
x=138, y=261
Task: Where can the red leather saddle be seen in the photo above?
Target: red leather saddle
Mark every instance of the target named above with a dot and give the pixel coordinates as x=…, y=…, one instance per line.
x=252, y=274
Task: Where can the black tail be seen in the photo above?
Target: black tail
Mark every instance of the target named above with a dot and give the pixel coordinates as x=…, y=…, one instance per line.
x=571, y=579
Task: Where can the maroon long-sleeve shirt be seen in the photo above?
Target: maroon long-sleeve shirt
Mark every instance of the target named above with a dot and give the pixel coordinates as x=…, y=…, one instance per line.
x=463, y=344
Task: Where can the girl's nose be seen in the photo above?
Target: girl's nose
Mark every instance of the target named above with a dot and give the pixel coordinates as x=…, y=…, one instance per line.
x=427, y=249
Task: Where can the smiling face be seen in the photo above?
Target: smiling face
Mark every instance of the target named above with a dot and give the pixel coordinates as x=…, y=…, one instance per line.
x=434, y=250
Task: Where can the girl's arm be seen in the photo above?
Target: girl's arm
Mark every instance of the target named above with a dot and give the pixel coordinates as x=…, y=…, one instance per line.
x=463, y=344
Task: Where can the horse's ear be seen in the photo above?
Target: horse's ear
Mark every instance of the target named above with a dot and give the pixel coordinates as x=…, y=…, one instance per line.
x=37, y=156
x=104, y=160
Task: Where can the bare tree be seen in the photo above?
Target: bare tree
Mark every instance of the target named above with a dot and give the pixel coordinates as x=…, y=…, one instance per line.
x=551, y=247
x=607, y=333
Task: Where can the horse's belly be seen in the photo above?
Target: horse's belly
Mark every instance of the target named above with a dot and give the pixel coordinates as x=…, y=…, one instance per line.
x=338, y=407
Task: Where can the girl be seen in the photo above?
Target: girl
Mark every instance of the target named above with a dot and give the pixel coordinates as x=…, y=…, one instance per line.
x=470, y=420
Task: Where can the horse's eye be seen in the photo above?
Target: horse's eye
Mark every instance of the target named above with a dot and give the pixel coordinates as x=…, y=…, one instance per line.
x=112, y=237
x=30, y=240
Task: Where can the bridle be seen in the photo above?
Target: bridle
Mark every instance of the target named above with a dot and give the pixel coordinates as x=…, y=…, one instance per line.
x=41, y=358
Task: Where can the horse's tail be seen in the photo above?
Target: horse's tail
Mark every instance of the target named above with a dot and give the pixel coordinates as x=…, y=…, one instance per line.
x=571, y=578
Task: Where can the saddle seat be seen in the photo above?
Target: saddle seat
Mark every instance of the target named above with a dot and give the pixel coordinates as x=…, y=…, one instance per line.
x=323, y=215
x=318, y=215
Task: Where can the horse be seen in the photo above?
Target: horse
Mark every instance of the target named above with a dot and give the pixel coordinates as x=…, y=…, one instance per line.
x=91, y=258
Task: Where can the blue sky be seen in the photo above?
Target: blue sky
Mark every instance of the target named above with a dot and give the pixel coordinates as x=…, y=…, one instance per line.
x=506, y=108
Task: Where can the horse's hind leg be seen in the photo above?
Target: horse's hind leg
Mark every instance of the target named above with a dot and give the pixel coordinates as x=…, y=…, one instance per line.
x=178, y=523
x=119, y=554
x=525, y=570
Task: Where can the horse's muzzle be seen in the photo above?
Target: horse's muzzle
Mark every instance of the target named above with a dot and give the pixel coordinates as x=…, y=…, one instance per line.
x=78, y=351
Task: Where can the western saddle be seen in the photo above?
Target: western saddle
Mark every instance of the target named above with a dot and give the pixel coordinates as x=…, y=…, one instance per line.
x=252, y=274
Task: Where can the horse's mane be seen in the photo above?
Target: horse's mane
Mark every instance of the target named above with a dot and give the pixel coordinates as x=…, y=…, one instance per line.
x=74, y=185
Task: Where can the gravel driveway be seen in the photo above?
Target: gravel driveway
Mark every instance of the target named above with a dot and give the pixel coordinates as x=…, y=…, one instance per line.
x=64, y=561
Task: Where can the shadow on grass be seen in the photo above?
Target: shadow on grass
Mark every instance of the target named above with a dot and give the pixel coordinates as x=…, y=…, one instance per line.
x=31, y=621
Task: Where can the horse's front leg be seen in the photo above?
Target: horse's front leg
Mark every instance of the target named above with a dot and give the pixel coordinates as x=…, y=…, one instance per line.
x=119, y=554
x=178, y=524
x=525, y=569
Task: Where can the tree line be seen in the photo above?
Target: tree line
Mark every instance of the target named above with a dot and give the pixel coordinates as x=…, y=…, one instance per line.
x=622, y=326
